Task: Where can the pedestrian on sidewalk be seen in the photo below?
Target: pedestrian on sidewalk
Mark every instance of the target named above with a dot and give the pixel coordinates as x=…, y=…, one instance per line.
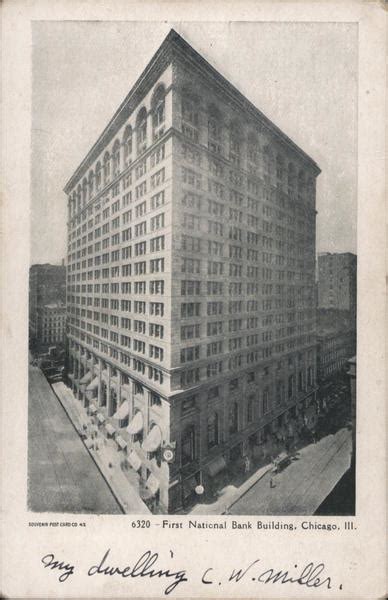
x=271, y=482
x=247, y=463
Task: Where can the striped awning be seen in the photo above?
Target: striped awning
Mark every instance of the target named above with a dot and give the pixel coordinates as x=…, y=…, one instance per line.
x=86, y=378
x=134, y=460
x=122, y=412
x=110, y=429
x=137, y=423
x=121, y=442
x=93, y=385
x=152, y=483
x=217, y=465
x=153, y=440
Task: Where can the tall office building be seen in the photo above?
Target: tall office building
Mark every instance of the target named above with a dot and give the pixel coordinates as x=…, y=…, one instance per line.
x=47, y=286
x=337, y=281
x=191, y=261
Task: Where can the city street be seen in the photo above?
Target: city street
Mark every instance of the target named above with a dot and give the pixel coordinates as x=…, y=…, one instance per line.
x=62, y=476
x=302, y=486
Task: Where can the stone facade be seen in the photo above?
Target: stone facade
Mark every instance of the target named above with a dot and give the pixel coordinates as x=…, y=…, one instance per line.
x=191, y=261
x=337, y=281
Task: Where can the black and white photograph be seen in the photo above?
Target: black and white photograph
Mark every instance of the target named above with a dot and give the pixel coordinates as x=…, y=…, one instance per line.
x=193, y=273
x=194, y=340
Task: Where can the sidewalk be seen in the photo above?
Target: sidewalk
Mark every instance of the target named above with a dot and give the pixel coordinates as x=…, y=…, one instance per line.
x=104, y=454
x=230, y=494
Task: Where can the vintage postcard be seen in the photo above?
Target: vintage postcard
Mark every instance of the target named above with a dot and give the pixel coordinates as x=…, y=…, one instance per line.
x=194, y=300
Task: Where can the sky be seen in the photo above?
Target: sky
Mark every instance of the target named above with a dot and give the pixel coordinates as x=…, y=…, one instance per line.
x=303, y=76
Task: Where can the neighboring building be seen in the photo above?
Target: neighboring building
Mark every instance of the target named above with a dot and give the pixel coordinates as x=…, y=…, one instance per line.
x=337, y=281
x=191, y=263
x=47, y=286
x=52, y=324
x=336, y=342
x=334, y=349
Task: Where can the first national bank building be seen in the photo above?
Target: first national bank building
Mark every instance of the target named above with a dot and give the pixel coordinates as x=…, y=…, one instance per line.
x=190, y=277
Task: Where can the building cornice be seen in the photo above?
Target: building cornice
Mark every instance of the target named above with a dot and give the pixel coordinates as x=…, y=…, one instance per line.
x=158, y=62
x=196, y=61
x=174, y=47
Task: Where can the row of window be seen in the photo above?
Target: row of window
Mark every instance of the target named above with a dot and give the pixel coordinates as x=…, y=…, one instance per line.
x=113, y=162
x=257, y=157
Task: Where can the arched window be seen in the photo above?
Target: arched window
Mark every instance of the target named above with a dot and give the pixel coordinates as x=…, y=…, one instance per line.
x=190, y=116
x=91, y=184
x=235, y=137
x=267, y=162
x=106, y=167
x=188, y=445
x=79, y=193
x=301, y=182
x=233, y=417
x=158, y=111
x=84, y=191
x=279, y=168
x=74, y=204
x=310, y=186
x=214, y=130
x=98, y=176
x=141, y=130
x=127, y=142
x=253, y=151
x=212, y=430
x=116, y=158
x=291, y=176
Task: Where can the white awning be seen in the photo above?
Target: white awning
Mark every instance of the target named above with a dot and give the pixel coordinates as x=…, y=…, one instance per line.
x=122, y=412
x=153, y=440
x=134, y=460
x=217, y=465
x=92, y=409
x=100, y=418
x=121, y=442
x=110, y=429
x=152, y=483
x=137, y=423
x=93, y=385
x=86, y=378
x=124, y=392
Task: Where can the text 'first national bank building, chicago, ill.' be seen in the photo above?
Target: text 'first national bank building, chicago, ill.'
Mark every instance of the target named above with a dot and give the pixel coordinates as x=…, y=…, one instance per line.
x=191, y=276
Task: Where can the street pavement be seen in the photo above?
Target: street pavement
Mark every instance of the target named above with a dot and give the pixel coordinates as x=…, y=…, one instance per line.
x=62, y=476
x=302, y=486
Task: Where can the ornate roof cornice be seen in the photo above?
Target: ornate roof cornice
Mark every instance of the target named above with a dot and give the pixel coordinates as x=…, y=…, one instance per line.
x=174, y=47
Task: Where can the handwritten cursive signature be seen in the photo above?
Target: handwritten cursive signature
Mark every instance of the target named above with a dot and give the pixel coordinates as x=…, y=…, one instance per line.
x=311, y=575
